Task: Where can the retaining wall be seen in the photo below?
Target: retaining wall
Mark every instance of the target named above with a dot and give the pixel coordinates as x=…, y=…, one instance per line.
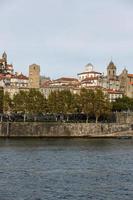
x=37, y=129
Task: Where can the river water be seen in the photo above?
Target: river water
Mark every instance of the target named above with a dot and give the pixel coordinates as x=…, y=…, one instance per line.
x=66, y=169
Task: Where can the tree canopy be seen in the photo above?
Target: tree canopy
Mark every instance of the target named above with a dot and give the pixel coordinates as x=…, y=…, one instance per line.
x=123, y=104
x=89, y=102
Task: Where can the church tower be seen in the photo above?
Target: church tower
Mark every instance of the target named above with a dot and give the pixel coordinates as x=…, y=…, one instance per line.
x=4, y=56
x=111, y=71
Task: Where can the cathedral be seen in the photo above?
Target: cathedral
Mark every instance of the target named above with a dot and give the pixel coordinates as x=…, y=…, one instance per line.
x=11, y=82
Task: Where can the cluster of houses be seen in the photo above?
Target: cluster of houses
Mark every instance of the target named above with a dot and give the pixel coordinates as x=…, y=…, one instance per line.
x=114, y=85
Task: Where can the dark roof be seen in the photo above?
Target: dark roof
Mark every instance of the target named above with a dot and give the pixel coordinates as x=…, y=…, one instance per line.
x=111, y=65
x=92, y=72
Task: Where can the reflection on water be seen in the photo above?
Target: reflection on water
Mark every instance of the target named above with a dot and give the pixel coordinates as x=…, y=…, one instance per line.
x=73, y=169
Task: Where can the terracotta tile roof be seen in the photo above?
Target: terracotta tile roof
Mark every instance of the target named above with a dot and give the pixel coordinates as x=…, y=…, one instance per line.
x=112, y=91
x=46, y=83
x=130, y=83
x=21, y=76
x=66, y=79
x=130, y=75
x=1, y=75
x=4, y=76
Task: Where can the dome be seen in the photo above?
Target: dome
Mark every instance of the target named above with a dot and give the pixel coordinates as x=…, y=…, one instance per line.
x=89, y=67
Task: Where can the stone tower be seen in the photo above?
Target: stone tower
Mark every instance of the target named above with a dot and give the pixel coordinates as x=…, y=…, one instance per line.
x=111, y=71
x=4, y=56
x=34, y=76
x=123, y=78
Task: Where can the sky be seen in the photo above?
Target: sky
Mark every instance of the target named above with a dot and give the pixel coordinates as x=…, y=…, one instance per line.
x=62, y=36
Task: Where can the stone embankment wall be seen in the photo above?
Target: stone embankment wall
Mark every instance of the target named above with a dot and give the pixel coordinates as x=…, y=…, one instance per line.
x=124, y=117
x=37, y=129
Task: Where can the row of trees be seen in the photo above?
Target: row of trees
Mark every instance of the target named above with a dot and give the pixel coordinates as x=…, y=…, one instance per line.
x=123, y=104
x=88, y=102
x=92, y=103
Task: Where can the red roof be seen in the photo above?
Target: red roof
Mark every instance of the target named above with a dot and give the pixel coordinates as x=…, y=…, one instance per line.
x=130, y=83
x=7, y=75
x=112, y=91
x=46, y=83
x=66, y=79
x=130, y=75
x=21, y=76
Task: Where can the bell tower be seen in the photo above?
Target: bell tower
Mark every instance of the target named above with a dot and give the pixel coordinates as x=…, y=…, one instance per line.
x=111, y=71
x=4, y=56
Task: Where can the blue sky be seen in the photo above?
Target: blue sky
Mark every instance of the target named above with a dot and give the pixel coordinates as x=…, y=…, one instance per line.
x=62, y=36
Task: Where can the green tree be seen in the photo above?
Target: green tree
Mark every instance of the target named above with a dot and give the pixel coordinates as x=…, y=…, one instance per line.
x=1, y=99
x=123, y=104
x=29, y=102
x=20, y=103
x=36, y=102
x=7, y=103
x=62, y=102
x=52, y=102
x=87, y=100
x=76, y=104
x=101, y=104
x=68, y=103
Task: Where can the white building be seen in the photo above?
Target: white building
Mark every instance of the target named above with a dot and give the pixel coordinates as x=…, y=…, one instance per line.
x=89, y=77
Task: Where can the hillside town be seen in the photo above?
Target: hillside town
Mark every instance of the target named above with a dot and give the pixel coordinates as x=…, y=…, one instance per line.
x=113, y=84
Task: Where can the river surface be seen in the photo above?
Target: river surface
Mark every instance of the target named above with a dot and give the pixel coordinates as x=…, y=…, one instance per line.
x=66, y=169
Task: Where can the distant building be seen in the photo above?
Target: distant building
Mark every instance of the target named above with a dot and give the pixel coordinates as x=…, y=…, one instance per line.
x=14, y=90
x=114, y=85
x=63, y=83
x=11, y=82
x=46, y=91
x=114, y=94
x=4, y=66
x=34, y=76
x=89, y=77
x=126, y=83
